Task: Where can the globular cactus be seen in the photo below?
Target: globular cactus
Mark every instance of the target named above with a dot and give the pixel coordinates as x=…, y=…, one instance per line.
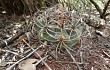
x=58, y=29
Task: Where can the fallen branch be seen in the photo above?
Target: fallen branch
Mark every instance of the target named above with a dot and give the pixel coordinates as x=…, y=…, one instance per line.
x=104, y=10
x=96, y=6
x=102, y=13
x=10, y=41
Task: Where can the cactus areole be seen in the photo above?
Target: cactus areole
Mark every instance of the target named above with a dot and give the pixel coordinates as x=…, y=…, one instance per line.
x=58, y=30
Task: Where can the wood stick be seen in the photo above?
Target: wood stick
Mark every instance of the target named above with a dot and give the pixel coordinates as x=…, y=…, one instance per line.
x=10, y=41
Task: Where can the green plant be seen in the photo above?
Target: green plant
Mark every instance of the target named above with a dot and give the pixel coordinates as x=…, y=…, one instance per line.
x=78, y=5
x=58, y=27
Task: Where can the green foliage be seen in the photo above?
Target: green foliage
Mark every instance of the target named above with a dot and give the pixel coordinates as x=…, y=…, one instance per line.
x=78, y=5
x=61, y=30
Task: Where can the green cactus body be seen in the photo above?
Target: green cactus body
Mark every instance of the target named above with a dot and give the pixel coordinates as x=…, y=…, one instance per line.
x=53, y=32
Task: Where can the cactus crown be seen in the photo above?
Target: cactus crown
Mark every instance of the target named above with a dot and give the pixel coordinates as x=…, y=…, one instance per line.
x=58, y=26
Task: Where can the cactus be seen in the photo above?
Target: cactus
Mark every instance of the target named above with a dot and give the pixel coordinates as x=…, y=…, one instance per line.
x=58, y=29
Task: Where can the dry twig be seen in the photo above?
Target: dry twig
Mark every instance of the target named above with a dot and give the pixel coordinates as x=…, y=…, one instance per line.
x=38, y=56
x=23, y=58
x=72, y=56
x=11, y=52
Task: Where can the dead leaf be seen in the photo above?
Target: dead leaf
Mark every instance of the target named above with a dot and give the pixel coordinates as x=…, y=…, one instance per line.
x=21, y=38
x=27, y=64
x=104, y=32
x=2, y=63
x=2, y=68
x=40, y=52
